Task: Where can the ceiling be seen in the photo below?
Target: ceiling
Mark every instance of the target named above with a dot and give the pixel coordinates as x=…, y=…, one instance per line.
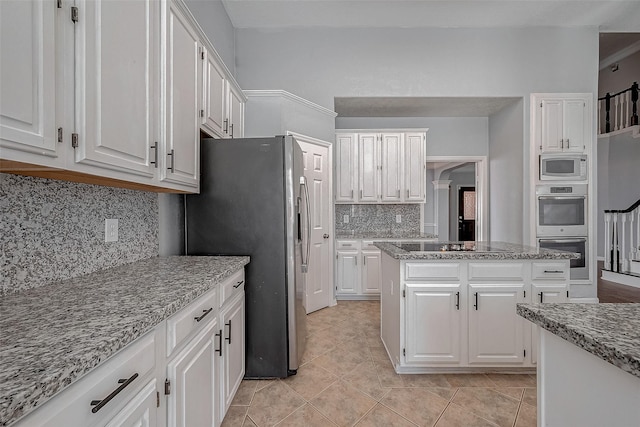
x=607, y=15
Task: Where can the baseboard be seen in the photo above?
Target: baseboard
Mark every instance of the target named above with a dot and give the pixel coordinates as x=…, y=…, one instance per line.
x=358, y=297
x=623, y=279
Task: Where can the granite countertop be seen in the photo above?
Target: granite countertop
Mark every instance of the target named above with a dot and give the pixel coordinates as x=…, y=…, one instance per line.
x=369, y=235
x=53, y=335
x=483, y=251
x=608, y=331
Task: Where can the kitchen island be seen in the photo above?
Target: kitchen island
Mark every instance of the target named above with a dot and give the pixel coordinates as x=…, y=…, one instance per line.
x=57, y=336
x=589, y=364
x=451, y=306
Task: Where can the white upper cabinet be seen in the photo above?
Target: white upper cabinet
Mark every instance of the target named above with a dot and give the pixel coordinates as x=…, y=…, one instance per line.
x=346, y=172
x=563, y=123
x=382, y=167
x=236, y=113
x=28, y=81
x=214, y=102
x=223, y=101
x=180, y=159
x=116, y=84
x=368, y=148
x=391, y=167
x=415, y=166
x=115, y=91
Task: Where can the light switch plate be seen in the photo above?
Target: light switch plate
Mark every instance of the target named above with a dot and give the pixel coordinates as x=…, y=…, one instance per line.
x=398, y=219
x=110, y=230
x=345, y=219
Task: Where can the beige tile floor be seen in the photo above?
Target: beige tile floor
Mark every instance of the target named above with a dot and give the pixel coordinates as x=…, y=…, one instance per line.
x=346, y=379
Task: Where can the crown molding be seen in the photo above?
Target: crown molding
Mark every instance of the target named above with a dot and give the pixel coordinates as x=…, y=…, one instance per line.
x=291, y=97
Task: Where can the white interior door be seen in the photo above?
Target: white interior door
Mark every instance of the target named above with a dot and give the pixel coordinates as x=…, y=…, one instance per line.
x=317, y=170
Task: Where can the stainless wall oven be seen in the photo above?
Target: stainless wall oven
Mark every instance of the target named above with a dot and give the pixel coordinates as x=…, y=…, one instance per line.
x=561, y=210
x=579, y=267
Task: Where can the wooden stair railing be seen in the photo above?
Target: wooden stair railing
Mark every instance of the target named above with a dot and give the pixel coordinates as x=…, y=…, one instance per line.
x=622, y=238
x=620, y=110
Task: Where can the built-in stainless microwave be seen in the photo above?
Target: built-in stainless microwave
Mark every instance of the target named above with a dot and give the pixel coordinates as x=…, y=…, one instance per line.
x=563, y=167
x=561, y=210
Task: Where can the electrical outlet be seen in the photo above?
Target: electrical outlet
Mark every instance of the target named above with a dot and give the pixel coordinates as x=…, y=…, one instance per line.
x=398, y=219
x=345, y=219
x=110, y=230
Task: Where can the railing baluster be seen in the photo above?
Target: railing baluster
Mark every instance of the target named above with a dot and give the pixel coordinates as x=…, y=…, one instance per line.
x=634, y=100
x=623, y=247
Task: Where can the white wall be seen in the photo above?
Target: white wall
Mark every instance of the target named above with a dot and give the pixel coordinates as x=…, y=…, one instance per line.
x=603, y=192
x=214, y=21
x=320, y=64
x=508, y=157
x=447, y=136
x=615, y=81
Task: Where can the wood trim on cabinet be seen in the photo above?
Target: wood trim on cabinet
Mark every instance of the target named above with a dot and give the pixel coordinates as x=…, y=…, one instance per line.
x=27, y=169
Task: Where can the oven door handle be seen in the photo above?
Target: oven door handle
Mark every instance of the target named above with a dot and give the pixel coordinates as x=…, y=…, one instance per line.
x=563, y=240
x=562, y=197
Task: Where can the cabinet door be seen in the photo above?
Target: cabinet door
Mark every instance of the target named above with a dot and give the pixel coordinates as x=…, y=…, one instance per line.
x=391, y=167
x=215, y=86
x=140, y=411
x=232, y=322
x=368, y=147
x=116, y=79
x=236, y=114
x=193, y=375
x=371, y=273
x=545, y=293
x=415, y=166
x=551, y=125
x=28, y=80
x=574, y=119
x=180, y=160
x=348, y=273
x=496, y=332
x=433, y=323
x=346, y=167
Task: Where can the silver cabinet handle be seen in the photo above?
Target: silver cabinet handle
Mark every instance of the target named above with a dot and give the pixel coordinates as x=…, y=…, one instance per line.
x=407, y=194
x=361, y=194
x=364, y=260
x=154, y=147
x=231, y=128
x=553, y=271
x=541, y=297
x=352, y=194
x=226, y=126
x=398, y=193
x=173, y=157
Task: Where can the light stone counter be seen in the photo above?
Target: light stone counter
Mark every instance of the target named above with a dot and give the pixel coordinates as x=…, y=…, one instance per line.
x=610, y=332
x=53, y=335
x=372, y=235
x=483, y=251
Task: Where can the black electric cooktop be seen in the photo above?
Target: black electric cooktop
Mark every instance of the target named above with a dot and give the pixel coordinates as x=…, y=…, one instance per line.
x=445, y=247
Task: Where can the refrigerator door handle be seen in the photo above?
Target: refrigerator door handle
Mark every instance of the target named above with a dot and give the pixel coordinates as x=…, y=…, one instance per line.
x=305, y=261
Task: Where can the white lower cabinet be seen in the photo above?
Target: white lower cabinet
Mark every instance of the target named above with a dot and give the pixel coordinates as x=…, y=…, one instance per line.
x=183, y=373
x=461, y=315
x=358, y=269
x=496, y=332
x=192, y=376
x=433, y=304
x=232, y=323
x=140, y=411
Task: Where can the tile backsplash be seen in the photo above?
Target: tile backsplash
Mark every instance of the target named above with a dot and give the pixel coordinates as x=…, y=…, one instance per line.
x=367, y=218
x=53, y=230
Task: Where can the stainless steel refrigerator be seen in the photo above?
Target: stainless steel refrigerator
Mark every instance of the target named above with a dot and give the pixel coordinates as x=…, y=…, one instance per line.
x=254, y=201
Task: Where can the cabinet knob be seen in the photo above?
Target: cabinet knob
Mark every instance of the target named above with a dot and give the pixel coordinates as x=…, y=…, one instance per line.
x=325, y=236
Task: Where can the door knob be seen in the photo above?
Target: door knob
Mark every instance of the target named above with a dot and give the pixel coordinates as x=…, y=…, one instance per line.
x=326, y=236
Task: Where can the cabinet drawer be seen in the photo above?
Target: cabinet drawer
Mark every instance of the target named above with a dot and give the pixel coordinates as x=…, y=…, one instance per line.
x=185, y=322
x=368, y=245
x=496, y=270
x=549, y=270
x=432, y=271
x=72, y=406
x=232, y=286
x=347, y=244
